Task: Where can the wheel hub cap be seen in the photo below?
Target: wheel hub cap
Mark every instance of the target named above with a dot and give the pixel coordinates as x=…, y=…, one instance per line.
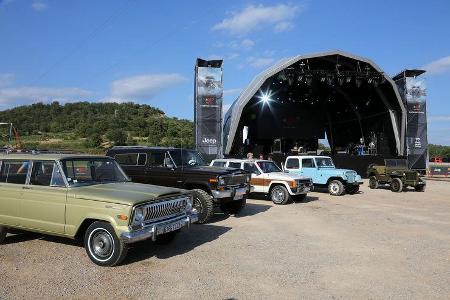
x=102, y=245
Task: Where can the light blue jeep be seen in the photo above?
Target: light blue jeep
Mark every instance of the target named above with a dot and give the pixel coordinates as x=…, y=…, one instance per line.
x=324, y=174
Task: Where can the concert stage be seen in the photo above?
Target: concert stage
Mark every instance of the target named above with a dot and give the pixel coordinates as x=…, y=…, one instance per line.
x=337, y=96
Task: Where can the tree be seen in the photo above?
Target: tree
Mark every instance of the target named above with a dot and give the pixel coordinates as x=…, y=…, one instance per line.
x=117, y=136
x=93, y=141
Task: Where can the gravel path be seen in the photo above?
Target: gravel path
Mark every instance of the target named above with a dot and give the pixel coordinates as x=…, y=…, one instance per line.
x=376, y=244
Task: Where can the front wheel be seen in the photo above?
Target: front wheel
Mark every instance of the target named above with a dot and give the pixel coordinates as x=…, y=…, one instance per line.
x=396, y=185
x=336, y=188
x=103, y=246
x=279, y=195
x=373, y=182
x=3, y=233
x=203, y=203
x=234, y=207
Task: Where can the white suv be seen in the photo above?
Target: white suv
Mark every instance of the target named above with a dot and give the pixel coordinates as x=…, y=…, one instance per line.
x=269, y=179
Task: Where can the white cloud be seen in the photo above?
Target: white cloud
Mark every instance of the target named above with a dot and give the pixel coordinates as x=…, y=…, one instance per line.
x=439, y=118
x=144, y=86
x=231, y=91
x=438, y=66
x=283, y=26
x=247, y=44
x=39, y=6
x=6, y=79
x=260, y=62
x=253, y=17
x=16, y=96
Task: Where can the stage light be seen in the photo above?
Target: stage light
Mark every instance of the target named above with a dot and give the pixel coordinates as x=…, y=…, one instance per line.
x=348, y=79
x=265, y=98
x=370, y=80
x=309, y=79
x=322, y=79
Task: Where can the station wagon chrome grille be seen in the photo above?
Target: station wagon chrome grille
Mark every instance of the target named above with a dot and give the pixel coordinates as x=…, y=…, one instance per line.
x=164, y=209
x=235, y=179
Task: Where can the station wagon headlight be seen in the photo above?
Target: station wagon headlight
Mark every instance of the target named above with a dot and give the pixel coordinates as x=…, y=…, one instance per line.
x=138, y=215
x=221, y=181
x=189, y=204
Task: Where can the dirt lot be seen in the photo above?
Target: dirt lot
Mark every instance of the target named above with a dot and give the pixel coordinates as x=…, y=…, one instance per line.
x=376, y=244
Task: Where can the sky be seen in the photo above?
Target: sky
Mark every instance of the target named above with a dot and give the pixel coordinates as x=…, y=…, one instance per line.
x=145, y=51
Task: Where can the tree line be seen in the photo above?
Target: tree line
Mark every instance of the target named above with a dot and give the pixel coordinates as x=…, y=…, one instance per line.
x=119, y=123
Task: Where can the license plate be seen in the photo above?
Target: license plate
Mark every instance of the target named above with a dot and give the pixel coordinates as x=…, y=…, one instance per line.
x=165, y=228
x=238, y=197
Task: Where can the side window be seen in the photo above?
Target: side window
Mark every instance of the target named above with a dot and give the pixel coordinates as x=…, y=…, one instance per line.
x=219, y=164
x=142, y=160
x=307, y=163
x=236, y=165
x=46, y=173
x=156, y=159
x=127, y=159
x=14, y=172
x=292, y=163
x=250, y=167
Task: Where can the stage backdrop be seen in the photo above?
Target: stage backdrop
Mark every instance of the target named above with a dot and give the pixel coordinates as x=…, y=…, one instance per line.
x=208, y=107
x=413, y=91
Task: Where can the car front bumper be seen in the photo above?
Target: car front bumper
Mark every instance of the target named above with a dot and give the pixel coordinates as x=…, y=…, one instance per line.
x=233, y=193
x=151, y=230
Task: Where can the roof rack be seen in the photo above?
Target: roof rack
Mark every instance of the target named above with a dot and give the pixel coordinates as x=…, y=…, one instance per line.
x=141, y=147
x=37, y=151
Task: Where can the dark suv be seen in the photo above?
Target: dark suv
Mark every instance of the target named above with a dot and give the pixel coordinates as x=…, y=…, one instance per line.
x=182, y=168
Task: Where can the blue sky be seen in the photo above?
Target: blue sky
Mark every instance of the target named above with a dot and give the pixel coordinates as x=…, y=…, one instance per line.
x=145, y=51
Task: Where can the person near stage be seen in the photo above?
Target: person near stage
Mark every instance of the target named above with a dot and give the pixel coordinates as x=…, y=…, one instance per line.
x=249, y=155
x=261, y=156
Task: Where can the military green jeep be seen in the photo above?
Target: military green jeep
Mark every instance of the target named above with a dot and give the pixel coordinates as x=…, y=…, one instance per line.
x=396, y=173
x=90, y=198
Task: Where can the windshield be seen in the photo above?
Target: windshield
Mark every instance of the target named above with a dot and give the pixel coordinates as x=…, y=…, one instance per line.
x=187, y=158
x=86, y=171
x=268, y=166
x=324, y=162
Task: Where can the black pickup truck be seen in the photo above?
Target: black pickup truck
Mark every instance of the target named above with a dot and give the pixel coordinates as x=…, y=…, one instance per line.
x=211, y=186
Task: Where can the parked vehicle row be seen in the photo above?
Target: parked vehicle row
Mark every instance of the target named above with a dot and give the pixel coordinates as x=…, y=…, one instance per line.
x=151, y=193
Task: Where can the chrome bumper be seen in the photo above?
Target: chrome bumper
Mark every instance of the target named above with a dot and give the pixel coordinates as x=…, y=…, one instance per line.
x=231, y=193
x=150, y=231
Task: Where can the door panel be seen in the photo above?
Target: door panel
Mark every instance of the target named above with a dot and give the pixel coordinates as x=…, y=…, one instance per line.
x=43, y=208
x=10, y=196
x=43, y=204
x=13, y=176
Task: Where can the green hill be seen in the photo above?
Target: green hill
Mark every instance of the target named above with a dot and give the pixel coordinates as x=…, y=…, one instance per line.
x=91, y=127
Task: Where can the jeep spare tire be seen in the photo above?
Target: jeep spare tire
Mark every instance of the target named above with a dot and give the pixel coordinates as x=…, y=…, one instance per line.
x=396, y=185
x=279, y=195
x=203, y=203
x=336, y=188
x=3, y=232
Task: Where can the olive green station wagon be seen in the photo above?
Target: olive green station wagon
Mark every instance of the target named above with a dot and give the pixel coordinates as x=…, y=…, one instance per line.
x=90, y=198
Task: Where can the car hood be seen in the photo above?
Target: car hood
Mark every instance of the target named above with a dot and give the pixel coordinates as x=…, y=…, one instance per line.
x=127, y=193
x=334, y=171
x=285, y=176
x=210, y=170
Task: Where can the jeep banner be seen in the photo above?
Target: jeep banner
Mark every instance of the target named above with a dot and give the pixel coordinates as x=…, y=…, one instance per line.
x=208, y=107
x=413, y=91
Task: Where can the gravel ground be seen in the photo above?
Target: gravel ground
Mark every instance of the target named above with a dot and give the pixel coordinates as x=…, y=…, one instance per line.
x=376, y=244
